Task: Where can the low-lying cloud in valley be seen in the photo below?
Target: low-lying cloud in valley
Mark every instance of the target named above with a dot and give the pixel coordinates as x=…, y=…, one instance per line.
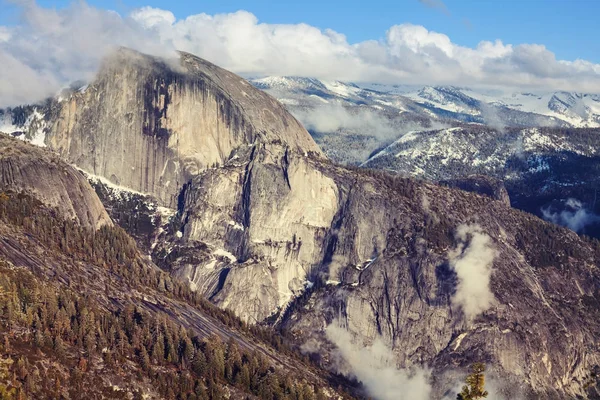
x=375, y=367
x=574, y=216
x=472, y=261
x=332, y=117
x=51, y=48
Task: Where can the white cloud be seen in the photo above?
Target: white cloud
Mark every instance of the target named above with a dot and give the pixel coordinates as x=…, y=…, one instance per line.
x=375, y=367
x=331, y=117
x=472, y=261
x=51, y=47
x=575, y=216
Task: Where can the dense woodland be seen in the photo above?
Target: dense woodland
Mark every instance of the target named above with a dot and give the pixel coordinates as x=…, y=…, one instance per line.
x=58, y=343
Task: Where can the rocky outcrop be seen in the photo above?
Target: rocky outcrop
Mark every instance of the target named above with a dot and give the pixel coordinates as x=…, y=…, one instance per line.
x=388, y=274
x=26, y=168
x=266, y=227
x=264, y=215
x=150, y=125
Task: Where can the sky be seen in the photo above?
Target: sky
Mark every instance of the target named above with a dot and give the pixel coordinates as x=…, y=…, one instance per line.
x=525, y=45
x=567, y=27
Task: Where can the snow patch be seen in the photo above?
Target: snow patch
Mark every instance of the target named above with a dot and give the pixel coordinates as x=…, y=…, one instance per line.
x=235, y=225
x=226, y=254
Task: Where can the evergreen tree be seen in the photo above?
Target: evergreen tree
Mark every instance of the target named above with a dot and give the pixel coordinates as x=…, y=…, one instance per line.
x=475, y=387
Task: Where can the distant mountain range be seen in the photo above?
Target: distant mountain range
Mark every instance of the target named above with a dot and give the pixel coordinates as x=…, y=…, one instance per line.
x=542, y=146
x=490, y=107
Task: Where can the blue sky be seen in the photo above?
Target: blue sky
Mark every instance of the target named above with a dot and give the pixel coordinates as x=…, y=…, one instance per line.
x=568, y=28
x=509, y=45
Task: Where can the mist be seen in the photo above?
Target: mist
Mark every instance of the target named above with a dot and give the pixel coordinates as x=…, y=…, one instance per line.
x=333, y=117
x=51, y=48
x=575, y=216
x=472, y=261
x=376, y=368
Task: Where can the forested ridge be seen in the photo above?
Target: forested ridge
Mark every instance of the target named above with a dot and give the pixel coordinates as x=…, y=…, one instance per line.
x=63, y=342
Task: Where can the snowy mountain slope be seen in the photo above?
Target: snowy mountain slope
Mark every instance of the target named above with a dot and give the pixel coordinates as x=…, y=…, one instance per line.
x=351, y=121
x=544, y=169
x=449, y=102
x=25, y=123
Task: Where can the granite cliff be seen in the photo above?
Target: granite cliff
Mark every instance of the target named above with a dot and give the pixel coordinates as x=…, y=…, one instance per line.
x=27, y=168
x=263, y=225
x=150, y=124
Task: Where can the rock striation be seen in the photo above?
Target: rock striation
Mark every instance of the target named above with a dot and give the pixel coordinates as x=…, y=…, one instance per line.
x=150, y=124
x=27, y=168
x=265, y=226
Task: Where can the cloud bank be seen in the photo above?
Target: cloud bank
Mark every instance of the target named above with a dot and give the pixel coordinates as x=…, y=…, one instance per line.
x=50, y=48
x=332, y=117
x=472, y=261
x=375, y=367
x=575, y=216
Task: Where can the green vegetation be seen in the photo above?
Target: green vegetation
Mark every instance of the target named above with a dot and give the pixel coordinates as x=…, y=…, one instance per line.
x=44, y=327
x=65, y=341
x=475, y=384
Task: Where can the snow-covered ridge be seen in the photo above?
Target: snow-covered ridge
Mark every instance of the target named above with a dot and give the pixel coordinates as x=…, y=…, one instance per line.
x=31, y=129
x=490, y=107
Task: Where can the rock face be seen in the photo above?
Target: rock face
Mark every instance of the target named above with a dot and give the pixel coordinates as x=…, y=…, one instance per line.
x=267, y=227
x=388, y=274
x=267, y=212
x=24, y=167
x=150, y=126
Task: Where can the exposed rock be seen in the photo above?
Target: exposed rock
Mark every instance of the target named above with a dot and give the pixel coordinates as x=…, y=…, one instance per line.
x=273, y=218
x=150, y=126
x=26, y=168
x=388, y=276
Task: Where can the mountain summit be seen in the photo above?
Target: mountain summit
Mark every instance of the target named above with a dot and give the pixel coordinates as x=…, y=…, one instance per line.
x=262, y=224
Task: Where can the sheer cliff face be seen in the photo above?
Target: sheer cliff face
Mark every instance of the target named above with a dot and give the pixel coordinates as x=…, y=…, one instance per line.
x=268, y=209
x=262, y=218
x=394, y=272
x=150, y=126
x=26, y=168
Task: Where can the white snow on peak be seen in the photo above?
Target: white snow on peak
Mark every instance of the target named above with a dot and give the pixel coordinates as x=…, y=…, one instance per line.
x=343, y=89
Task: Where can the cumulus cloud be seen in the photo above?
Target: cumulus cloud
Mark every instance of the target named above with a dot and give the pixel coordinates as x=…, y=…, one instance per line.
x=575, y=216
x=375, y=367
x=472, y=261
x=50, y=48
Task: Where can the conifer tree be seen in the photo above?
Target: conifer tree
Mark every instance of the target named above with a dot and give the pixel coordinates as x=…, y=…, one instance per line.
x=475, y=387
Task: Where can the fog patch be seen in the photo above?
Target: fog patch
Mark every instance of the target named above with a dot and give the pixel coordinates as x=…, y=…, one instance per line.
x=472, y=261
x=491, y=117
x=376, y=368
x=334, y=117
x=574, y=216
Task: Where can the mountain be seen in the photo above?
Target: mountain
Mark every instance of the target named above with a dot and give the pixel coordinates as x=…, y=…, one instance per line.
x=27, y=169
x=388, y=111
x=535, y=143
x=85, y=314
x=542, y=168
x=257, y=220
x=563, y=109
x=147, y=114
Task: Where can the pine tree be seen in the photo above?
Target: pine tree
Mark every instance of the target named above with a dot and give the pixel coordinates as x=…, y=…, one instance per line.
x=475, y=387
